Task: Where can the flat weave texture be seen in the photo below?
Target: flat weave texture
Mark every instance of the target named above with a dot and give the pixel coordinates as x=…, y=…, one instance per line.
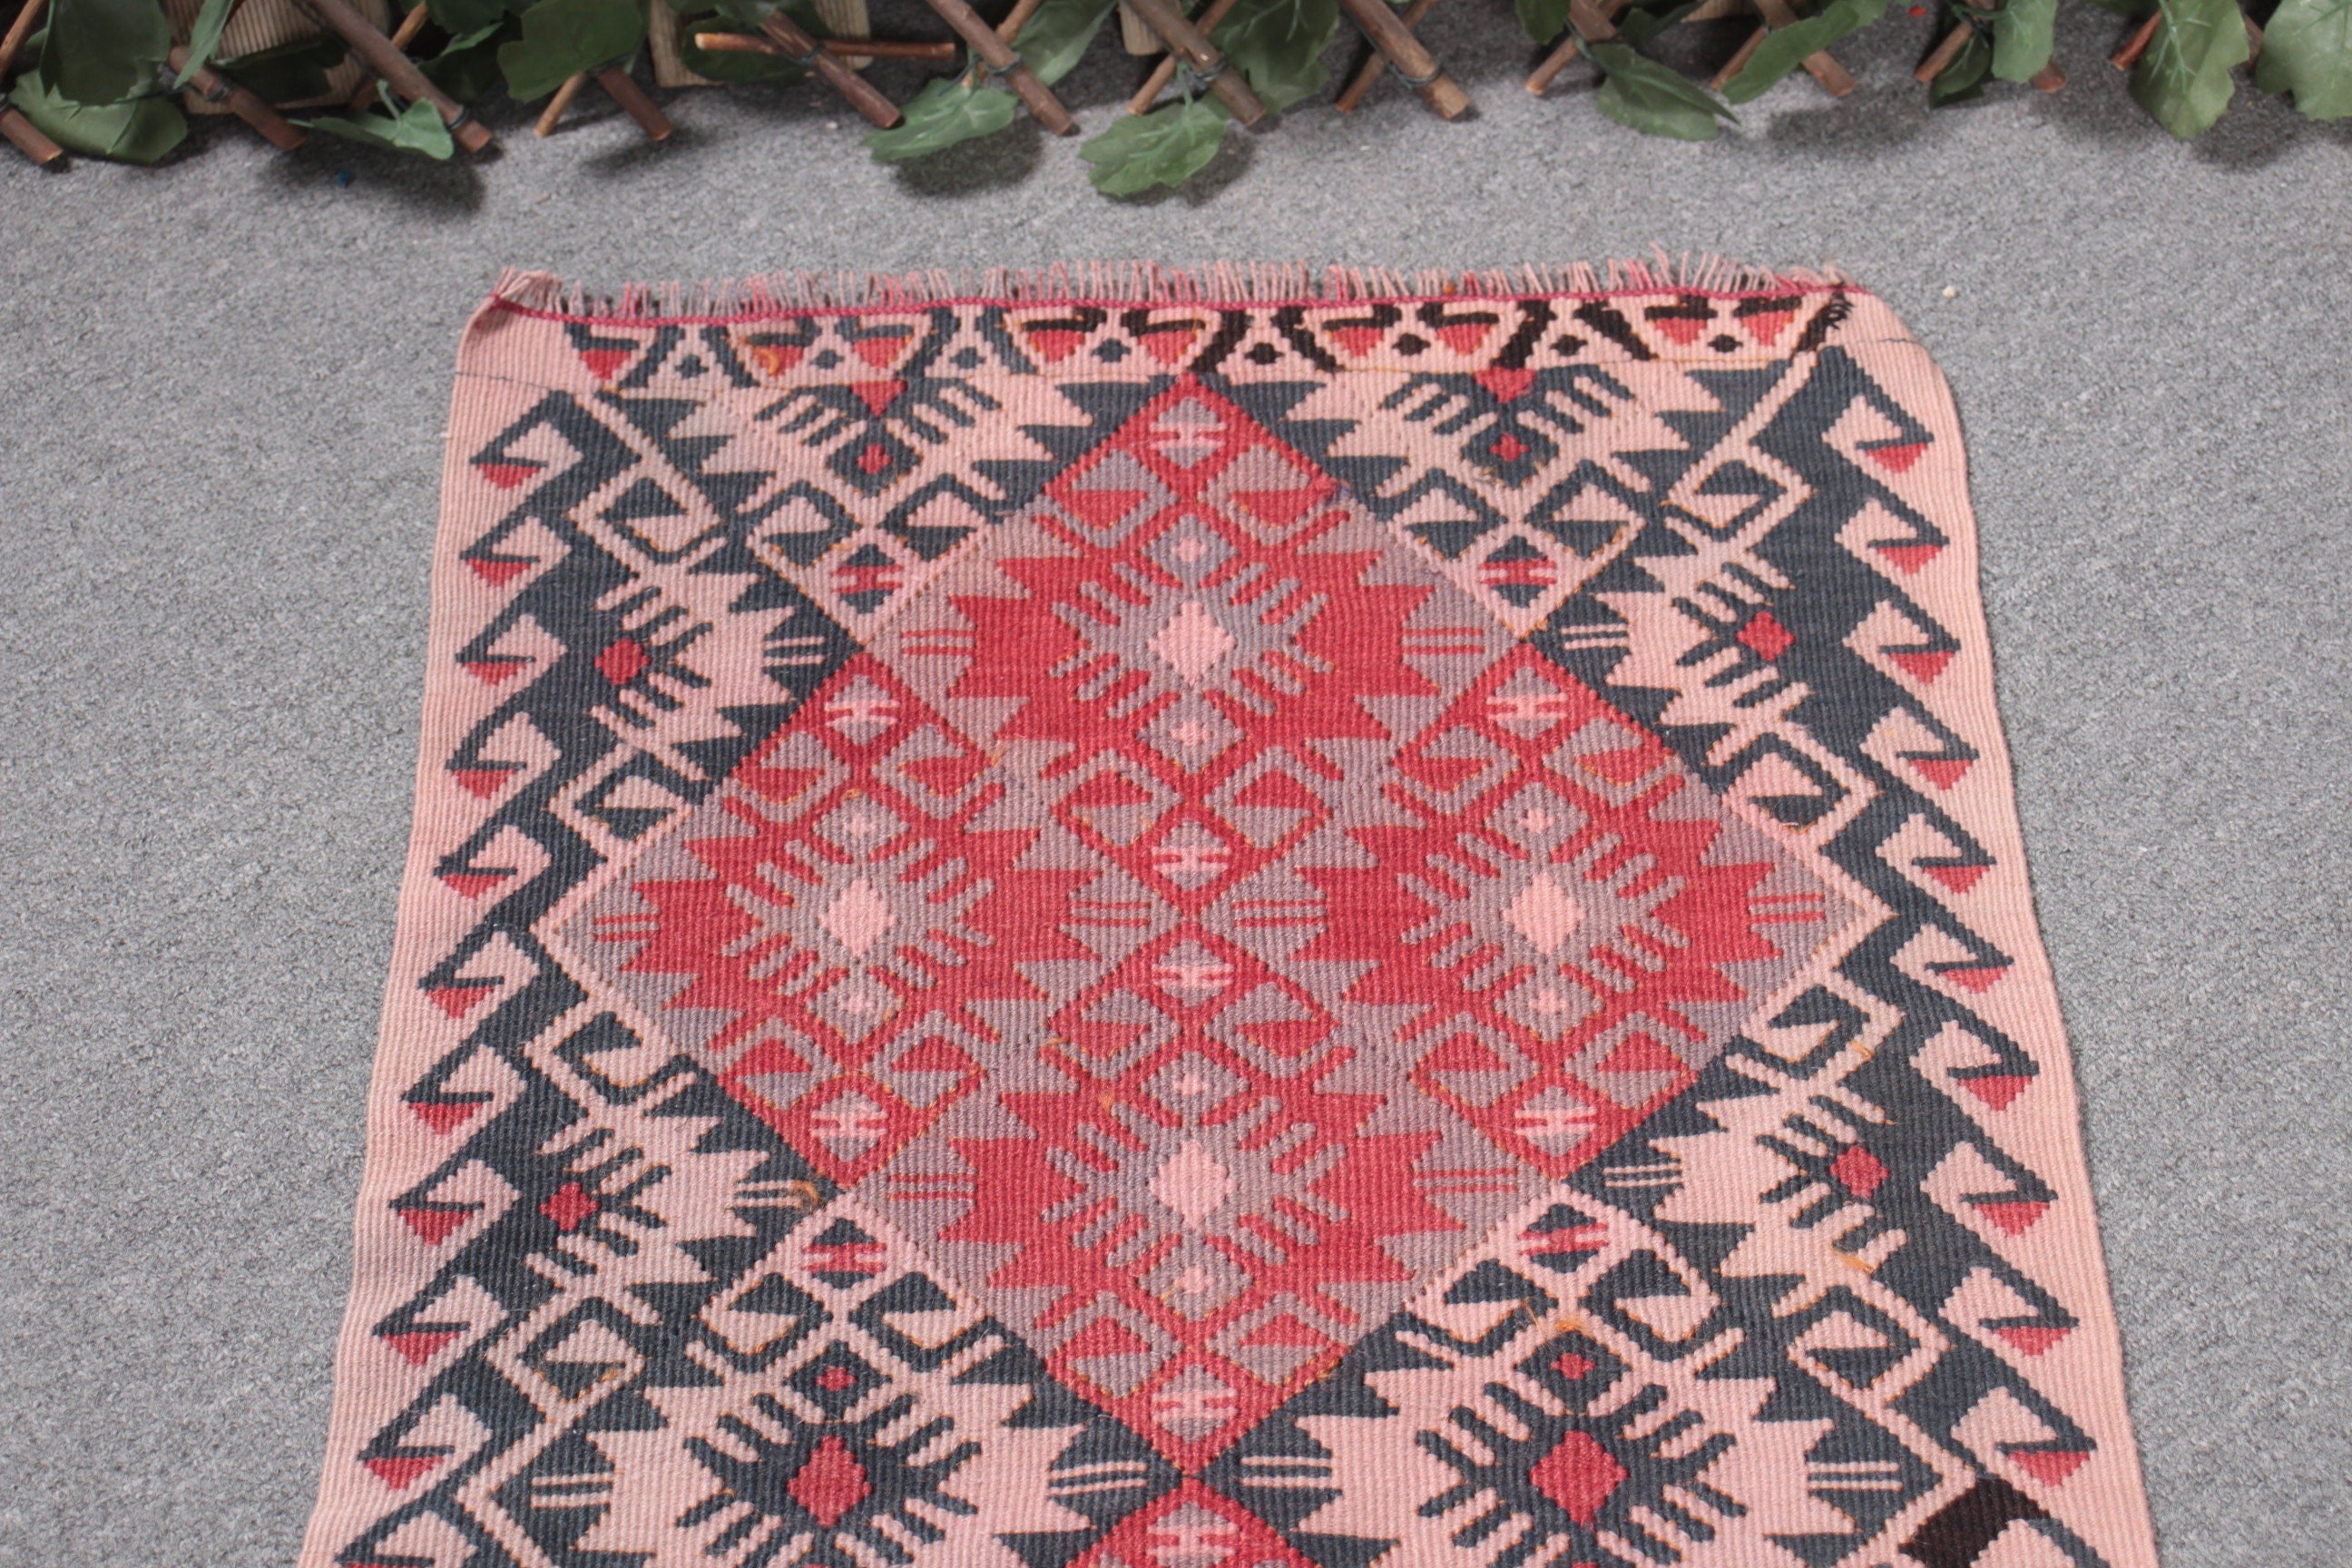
x=1176, y=921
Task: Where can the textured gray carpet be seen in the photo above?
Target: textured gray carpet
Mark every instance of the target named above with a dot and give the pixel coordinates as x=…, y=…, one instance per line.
x=222, y=386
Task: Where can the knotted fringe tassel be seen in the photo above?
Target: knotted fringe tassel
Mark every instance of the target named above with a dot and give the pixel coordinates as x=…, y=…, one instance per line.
x=1139, y=283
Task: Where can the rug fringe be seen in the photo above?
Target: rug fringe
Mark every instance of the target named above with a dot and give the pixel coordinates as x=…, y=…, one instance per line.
x=1141, y=283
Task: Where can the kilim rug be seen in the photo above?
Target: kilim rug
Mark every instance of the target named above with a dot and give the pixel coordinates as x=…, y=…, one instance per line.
x=1131, y=920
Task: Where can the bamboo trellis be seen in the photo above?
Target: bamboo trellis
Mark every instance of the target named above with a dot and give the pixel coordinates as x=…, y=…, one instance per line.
x=377, y=62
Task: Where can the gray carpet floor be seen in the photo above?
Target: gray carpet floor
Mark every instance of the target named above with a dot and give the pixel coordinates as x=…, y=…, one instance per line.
x=222, y=386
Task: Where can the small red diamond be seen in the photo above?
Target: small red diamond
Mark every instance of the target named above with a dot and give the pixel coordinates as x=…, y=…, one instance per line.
x=832, y=1482
x=1861, y=1170
x=1766, y=635
x=833, y=1379
x=1580, y=1475
x=622, y=661
x=568, y=1206
x=1510, y=448
x=874, y=458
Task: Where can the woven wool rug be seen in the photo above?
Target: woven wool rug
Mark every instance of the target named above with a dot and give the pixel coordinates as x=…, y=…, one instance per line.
x=1212, y=921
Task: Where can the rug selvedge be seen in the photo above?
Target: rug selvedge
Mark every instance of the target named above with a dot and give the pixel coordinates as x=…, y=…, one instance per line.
x=1193, y=931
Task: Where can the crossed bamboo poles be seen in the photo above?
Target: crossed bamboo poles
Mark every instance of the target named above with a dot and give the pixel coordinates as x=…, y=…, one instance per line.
x=1595, y=22
x=1185, y=39
x=21, y=132
x=385, y=59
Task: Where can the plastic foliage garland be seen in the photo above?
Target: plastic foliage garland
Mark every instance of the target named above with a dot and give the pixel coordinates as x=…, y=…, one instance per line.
x=99, y=82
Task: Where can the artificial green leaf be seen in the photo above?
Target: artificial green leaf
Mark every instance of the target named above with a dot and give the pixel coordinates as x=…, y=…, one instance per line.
x=1057, y=33
x=1649, y=96
x=745, y=15
x=2184, y=79
x=2022, y=35
x=948, y=111
x=289, y=72
x=140, y=130
x=560, y=38
x=1784, y=48
x=417, y=129
x=459, y=18
x=2307, y=51
x=1542, y=20
x=1964, y=79
x=104, y=51
x=1277, y=46
x=466, y=68
x=1165, y=147
x=204, y=37
x=1637, y=25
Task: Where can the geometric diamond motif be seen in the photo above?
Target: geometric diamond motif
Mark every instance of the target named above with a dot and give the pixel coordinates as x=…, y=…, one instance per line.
x=1163, y=1156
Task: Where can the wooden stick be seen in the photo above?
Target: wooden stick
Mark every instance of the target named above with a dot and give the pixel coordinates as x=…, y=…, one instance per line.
x=1009, y=31
x=1165, y=72
x=1941, y=59
x=1177, y=31
x=559, y=103
x=1414, y=64
x=1597, y=23
x=1017, y=18
x=364, y=95
x=1135, y=36
x=933, y=50
x=1835, y=79
x=855, y=91
x=213, y=88
x=623, y=89
x=2049, y=78
x=1005, y=64
x=13, y=44
x=21, y=132
x=1548, y=70
x=1376, y=63
x=376, y=52
x=2124, y=59
x=27, y=138
x=1603, y=23
x=1739, y=59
